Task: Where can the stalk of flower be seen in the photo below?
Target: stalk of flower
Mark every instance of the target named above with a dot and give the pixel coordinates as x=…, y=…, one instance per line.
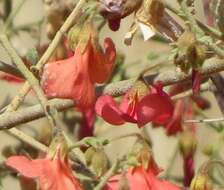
x=187, y=143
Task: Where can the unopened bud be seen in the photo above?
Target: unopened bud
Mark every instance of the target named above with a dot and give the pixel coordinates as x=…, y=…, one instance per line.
x=201, y=182
x=187, y=143
x=89, y=154
x=99, y=162
x=97, y=159
x=208, y=150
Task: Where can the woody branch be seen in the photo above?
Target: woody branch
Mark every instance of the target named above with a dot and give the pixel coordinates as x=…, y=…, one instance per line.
x=9, y=120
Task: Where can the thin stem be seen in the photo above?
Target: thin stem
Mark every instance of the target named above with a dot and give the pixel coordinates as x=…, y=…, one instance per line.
x=10, y=69
x=209, y=30
x=59, y=35
x=9, y=120
x=50, y=113
x=203, y=88
x=28, y=139
x=107, y=176
x=12, y=15
x=212, y=120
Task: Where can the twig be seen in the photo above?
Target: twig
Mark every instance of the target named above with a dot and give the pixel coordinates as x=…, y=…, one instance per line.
x=8, y=120
x=212, y=120
x=203, y=88
x=209, y=30
x=28, y=139
x=11, y=119
x=49, y=112
x=59, y=35
x=20, y=134
x=10, y=69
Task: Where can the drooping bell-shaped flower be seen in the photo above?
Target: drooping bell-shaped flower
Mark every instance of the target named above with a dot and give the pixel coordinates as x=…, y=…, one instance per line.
x=74, y=78
x=53, y=173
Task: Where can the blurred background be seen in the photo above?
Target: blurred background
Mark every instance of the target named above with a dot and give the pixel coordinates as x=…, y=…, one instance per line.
x=137, y=57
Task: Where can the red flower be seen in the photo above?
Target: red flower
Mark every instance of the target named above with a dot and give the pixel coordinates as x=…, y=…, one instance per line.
x=74, y=78
x=53, y=173
x=137, y=106
x=139, y=178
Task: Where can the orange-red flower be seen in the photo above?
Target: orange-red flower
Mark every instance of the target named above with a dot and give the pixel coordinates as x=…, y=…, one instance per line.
x=53, y=173
x=74, y=78
x=139, y=178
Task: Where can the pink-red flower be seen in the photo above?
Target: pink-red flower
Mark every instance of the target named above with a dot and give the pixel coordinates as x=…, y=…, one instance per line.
x=53, y=173
x=139, y=178
x=74, y=78
x=139, y=105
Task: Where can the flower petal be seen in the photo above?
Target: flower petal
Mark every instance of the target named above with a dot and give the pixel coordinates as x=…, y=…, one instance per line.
x=128, y=109
x=25, y=166
x=154, y=107
x=69, y=78
x=102, y=66
x=106, y=108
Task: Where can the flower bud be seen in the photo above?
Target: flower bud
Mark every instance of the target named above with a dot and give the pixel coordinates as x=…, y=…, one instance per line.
x=187, y=143
x=100, y=162
x=208, y=150
x=89, y=154
x=97, y=159
x=201, y=182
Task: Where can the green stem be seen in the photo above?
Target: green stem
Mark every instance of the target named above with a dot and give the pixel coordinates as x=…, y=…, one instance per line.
x=107, y=176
